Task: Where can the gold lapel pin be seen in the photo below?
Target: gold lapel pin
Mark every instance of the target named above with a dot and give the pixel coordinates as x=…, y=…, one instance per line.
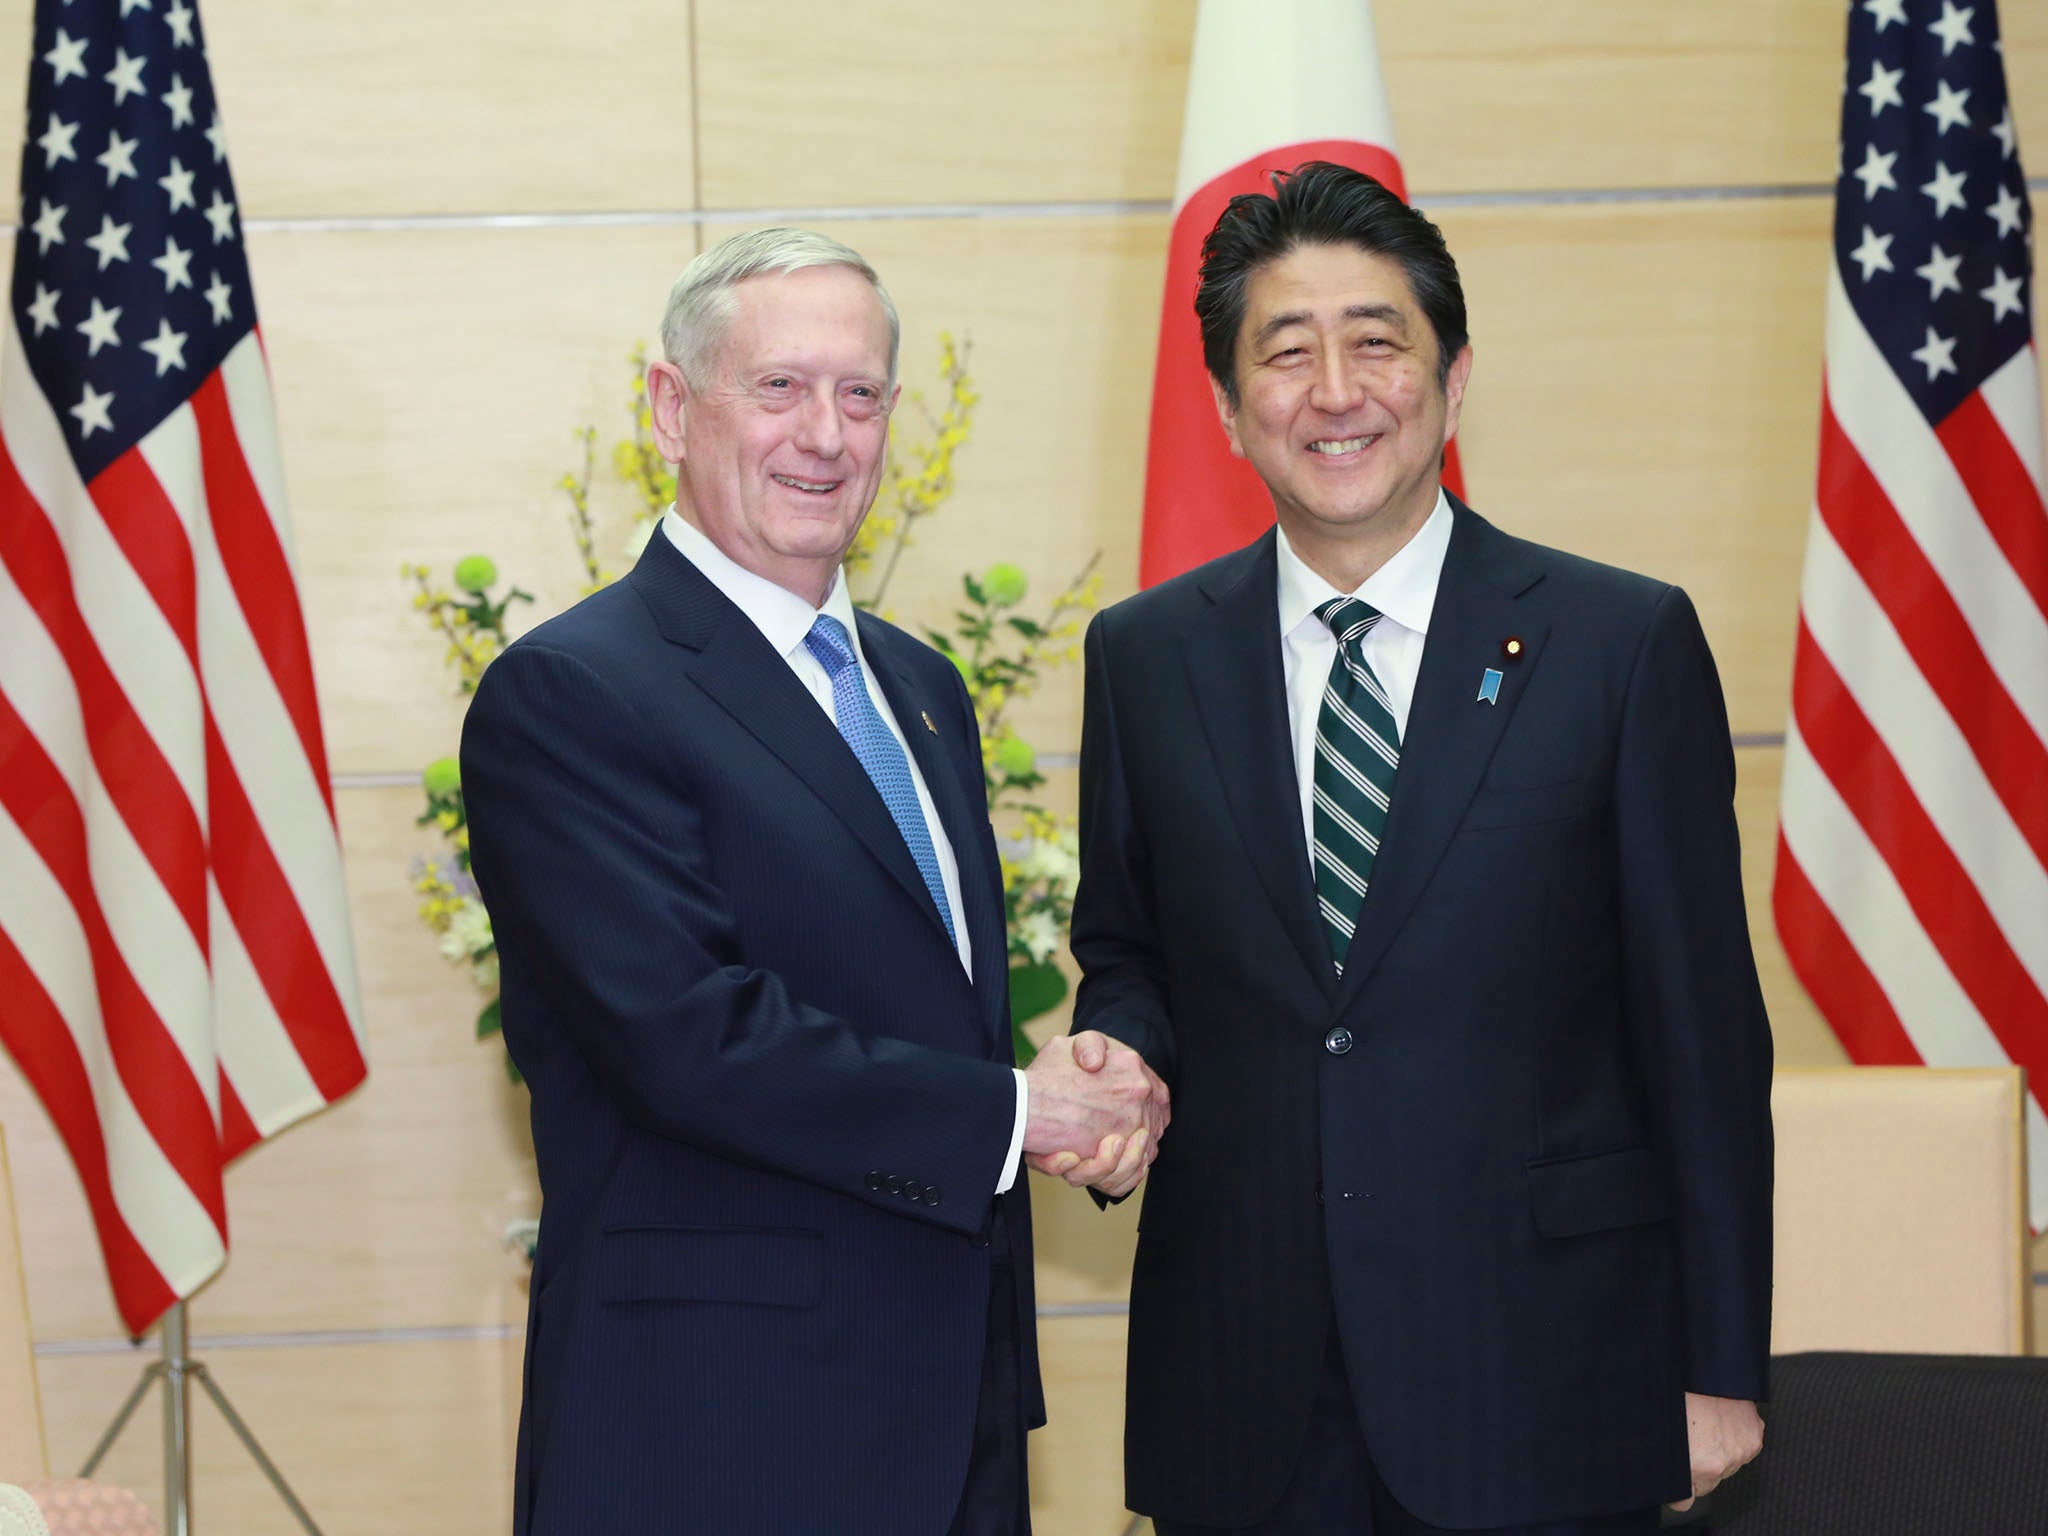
x=1511, y=648
x=928, y=721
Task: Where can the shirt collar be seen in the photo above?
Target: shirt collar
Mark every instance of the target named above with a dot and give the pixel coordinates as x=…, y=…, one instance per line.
x=1404, y=589
x=781, y=616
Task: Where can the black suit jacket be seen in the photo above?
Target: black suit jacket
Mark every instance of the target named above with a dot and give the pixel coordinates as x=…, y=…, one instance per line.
x=1523, y=1149
x=768, y=1106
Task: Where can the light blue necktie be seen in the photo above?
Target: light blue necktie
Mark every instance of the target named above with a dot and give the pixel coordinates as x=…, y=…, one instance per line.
x=878, y=750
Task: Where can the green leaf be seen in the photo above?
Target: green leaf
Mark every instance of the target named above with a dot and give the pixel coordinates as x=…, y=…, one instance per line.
x=490, y=1021
x=1021, y=1044
x=1027, y=628
x=1036, y=987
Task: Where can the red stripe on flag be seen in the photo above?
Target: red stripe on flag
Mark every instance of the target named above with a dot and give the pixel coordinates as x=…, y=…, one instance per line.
x=238, y=1132
x=2004, y=493
x=1877, y=542
x=146, y=526
x=138, y=777
x=1834, y=975
x=159, y=1078
x=274, y=932
x=259, y=572
x=1950, y=908
x=37, y=1038
x=1200, y=500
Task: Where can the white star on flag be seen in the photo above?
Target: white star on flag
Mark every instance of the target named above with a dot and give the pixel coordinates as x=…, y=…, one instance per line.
x=1876, y=172
x=1874, y=254
x=1954, y=27
x=2002, y=131
x=98, y=328
x=128, y=6
x=44, y=310
x=1886, y=12
x=220, y=213
x=218, y=140
x=48, y=227
x=179, y=19
x=1938, y=355
x=1940, y=273
x=1882, y=88
x=175, y=264
x=111, y=242
x=1946, y=189
x=2008, y=210
x=179, y=99
x=168, y=348
x=179, y=184
x=1949, y=108
x=118, y=157
x=221, y=297
x=2004, y=294
x=92, y=412
x=67, y=57
x=56, y=142
x=126, y=75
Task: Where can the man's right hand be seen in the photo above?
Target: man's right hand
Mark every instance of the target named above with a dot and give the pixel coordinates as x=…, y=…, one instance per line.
x=1096, y=1112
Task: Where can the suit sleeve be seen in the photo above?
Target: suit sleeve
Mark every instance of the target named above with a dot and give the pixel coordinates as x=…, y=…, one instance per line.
x=1695, y=1007
x=594, y=868
x=1115, y=932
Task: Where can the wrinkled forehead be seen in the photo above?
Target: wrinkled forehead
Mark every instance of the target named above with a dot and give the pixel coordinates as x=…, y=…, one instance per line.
x=815, y=317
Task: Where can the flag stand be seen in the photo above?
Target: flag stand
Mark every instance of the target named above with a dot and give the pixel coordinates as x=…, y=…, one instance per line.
x=177, y=1371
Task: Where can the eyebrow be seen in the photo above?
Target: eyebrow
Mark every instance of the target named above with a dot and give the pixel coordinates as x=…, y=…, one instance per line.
x=1390, y=313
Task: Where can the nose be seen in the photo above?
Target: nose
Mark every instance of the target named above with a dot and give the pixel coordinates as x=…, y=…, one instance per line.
x=1337, y=387
x=819, y=430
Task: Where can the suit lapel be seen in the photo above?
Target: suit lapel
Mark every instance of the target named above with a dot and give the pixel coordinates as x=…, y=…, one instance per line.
x=1240, y=687
x=740, y=671
x=944, y=765
x=1451, y=733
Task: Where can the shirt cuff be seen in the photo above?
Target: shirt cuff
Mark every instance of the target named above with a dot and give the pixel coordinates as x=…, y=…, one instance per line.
x=1016, y=1153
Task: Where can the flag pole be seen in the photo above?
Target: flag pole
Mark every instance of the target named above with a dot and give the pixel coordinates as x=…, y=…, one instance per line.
x=178, y=1370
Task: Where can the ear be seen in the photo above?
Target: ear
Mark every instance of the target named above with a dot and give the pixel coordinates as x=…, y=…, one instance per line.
x=668, y=400
x=1454, y=389
x=1227, y=414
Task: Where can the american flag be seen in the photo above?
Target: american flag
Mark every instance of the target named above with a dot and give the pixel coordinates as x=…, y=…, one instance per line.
x=1912, y=878
x=176, y=977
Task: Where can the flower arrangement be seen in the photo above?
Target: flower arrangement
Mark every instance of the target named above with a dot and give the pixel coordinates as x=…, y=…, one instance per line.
x=1000, y=648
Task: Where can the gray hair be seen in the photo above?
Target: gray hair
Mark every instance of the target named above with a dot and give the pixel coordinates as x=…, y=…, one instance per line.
x=701, y=304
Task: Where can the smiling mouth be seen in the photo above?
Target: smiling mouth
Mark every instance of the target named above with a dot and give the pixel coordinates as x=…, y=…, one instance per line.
x=1341, y=447
x=808, y=487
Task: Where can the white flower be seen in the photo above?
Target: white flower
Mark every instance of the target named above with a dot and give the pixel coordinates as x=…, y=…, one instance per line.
x=483, y=970
x=468, y=932
x=1054, y=861
x=1040, y=933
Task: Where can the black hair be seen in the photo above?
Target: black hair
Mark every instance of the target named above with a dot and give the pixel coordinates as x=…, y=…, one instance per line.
x=1318, y=203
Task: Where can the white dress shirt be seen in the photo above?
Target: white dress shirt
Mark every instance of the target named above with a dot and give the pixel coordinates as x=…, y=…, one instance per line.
x=1403, y=590
x=784, y=619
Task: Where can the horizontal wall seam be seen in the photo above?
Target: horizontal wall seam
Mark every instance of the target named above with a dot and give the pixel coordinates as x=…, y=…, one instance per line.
x=638, y=218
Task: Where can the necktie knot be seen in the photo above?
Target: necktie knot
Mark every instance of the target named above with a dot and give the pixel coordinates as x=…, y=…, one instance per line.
x=829, y=643
x=1348, y=619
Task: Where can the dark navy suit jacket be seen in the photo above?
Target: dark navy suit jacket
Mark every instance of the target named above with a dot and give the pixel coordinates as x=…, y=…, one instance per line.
x=1522, y=1151
x=769, y=1108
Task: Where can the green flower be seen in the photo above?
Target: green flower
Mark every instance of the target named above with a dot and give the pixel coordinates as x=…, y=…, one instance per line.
x=1015, y=757
x=1004, y=583
x=443, y=776
x=476, y=573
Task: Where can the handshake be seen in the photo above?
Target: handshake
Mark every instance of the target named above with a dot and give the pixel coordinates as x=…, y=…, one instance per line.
x=1096, y=1113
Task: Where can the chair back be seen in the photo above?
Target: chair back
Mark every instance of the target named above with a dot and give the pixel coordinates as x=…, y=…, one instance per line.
x=22, y=1455
x=1901, y=1211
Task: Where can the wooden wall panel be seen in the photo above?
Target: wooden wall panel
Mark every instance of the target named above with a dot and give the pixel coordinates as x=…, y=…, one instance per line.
x=386, y=1210
x=1077, y=1460
x=388, y=1436
x=346, y=108
x=1068, y=101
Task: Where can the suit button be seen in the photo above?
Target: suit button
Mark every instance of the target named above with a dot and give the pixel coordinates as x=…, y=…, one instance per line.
x=913, y=1192
x=980, y=1239
x=893, y=1184
x=874, y=1181
x=1337, y=1041
x=931, y=1194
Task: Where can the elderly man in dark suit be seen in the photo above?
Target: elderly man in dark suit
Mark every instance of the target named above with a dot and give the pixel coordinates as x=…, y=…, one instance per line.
x=1409, y=861
x=735, y=846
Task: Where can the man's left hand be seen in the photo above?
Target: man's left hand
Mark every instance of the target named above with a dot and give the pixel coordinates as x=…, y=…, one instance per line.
x=1725, y=1433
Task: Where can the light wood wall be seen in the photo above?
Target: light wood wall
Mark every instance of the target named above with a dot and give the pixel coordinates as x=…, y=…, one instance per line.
x=464, y=215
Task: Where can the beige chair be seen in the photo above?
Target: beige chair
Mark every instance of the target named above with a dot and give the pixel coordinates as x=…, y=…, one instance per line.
x=1901, y=1211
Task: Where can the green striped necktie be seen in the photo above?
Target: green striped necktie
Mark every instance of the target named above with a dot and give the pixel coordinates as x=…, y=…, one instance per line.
x=1358, y=747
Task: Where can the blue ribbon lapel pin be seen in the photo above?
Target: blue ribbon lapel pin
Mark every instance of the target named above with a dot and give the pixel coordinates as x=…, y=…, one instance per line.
x=1489, y=686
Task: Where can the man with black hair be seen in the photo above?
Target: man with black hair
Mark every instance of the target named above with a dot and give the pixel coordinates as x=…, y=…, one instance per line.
x=1409, y=862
